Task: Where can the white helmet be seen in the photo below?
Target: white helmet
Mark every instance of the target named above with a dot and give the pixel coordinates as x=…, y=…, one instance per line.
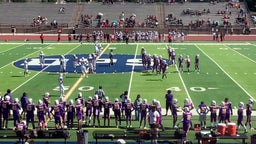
x=61, y=98
x=158, y=103
x=24, y=122
x=78, y=101
x=71, y=101
x=107, y=98
x=89, y=98
x=128, y=99
x=251, y=100
x=80, y=94
x=186, y=100
x=40, y=101
x=7, y=98
x=213, y=102
x=186, y=109
x=222, y=103
x=175, y=101
x=116, y=100
x=30, y=100
x=47, y=94
x=154, y=101
x=144, y=101
x=241, y=104
x=56, y=102
x=96, y=96
x=16, y=100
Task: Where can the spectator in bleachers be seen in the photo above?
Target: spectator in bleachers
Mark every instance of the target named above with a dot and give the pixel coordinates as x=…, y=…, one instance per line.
x=54, y=24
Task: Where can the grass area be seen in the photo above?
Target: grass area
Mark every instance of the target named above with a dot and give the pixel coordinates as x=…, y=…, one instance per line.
x=226, y=70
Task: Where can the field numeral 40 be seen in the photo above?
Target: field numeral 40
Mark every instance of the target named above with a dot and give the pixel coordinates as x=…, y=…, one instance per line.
x=195, y=89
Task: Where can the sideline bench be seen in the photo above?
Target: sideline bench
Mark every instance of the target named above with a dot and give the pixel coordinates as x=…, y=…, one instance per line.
x=36, y=134
x=138, y=135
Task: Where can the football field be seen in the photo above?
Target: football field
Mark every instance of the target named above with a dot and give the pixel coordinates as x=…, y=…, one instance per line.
x=227, y=70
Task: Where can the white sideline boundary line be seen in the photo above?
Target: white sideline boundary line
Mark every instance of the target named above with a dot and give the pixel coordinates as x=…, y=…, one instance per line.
x=41, y=70
x=225, y=72
x=131, y=78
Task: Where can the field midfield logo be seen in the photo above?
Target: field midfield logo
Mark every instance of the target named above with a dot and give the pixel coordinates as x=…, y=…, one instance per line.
x=122, y=63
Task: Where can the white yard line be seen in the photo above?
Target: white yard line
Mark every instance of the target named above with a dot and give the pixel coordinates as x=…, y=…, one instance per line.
x=130, y=83
x=225, y=72
x=40, y=71
x=240, y=54
x=183, y=83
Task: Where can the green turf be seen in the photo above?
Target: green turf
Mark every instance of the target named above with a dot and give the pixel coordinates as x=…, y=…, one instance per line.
x=226, y=70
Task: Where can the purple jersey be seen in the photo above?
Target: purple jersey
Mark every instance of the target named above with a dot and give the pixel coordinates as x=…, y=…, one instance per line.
x=168, y=98
x=128, y=106
x=107, y=106
x=24, y=101
x=117, y=108
x=70, y=111
x=20, y=129
x=6, y=106
x=213, y=110
x=240, y=113
x=186, y=120
x=30, y=110
x=223, y=113
x=202, y=108
x=88, y=105
x=46, y=101
x=79, y=111
x=57, y=109
x=96, y=104
x=81, y=100
x=41, y=111
x=144, y=109
x=16, y=110
x=248, y=109
x=189, y=105
x=229, y=107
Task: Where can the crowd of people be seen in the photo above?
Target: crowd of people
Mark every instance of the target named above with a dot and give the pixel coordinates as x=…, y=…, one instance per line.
x=88, y=111
x=40, y=20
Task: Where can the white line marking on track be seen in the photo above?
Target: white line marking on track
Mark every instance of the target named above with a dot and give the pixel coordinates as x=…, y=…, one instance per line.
x=225, y=72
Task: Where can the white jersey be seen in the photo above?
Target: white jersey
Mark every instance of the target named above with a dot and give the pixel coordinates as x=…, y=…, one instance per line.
x=41, y=58
x=153, y=117
x=25, y=65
